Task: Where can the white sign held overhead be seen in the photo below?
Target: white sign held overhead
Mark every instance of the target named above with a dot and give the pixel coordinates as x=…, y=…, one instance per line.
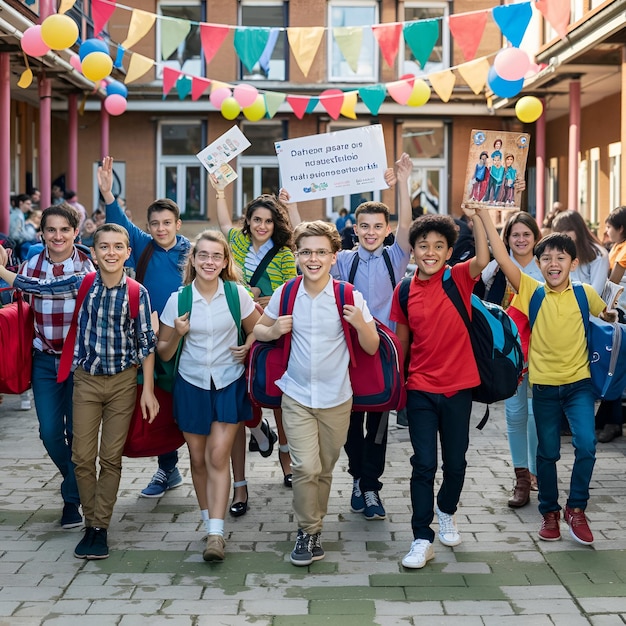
x=223, y=149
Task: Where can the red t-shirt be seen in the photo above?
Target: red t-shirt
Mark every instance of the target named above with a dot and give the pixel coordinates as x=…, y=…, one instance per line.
x=441, y=356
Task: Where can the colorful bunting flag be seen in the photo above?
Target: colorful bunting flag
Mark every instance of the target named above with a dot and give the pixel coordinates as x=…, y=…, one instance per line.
x=557, y=12
x=66, y=5
x=170, y=76
x=198, y=87
x=513, y=20
x=101, y=11
x=211, y=38
x=298, y=105
x=249, y=44
x=173, y=33
x=183, y=86
x=467, y=30
x=349, y=39
x=140, y=24
x=421, y=37
x=137, y=67
x=273, y=100
x=304, y=43
x=388, y=38
x=443, y=84
x=332, y=101
x=349, y=105
x=373, y=97
x=475, y=74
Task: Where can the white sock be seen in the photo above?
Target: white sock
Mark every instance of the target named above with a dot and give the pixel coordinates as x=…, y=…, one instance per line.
x=261, y=438
x=216, y=527
x=204, y=516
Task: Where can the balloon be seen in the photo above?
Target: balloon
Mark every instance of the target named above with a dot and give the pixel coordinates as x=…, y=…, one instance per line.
x=511, y=63
x=75, y=63
x=420, y=94
x=59, y=31
x=528, y=109
x=32, y=43
x=115, y=104
x=503, y=88
x=230, y=108
x=256, y=110
x=245, y=95
x=219, y=95
x=97, y=66
x=400, y=90
x=115, y=87
x=92, y=45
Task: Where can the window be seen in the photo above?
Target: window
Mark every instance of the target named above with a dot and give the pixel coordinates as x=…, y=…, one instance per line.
x=347, y=14
x=594, y=191
x=440, y=56
x=267, y=14
x=188, y=56
x=615, y=175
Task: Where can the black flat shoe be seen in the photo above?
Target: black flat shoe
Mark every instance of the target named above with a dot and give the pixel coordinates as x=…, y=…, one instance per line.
x=272, y=437
x=287, y=478
x=237, y=509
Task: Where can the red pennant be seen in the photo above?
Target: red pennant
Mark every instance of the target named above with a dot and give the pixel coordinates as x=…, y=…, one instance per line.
x=199, y=86
x=298, y=105
x=100, y=13
x=332, y=101
x=170, y=76
x=557, y=13
x=212, y=37
x=388, y=37
x=467, y=30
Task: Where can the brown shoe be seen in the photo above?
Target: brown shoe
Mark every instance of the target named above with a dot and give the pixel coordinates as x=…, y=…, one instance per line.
x=214, y=550
x=609, y=432
x=521, y=492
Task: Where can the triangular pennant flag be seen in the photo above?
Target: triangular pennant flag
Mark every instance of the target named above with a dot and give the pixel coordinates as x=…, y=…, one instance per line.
x=349, y=39
x=421, y=36
x=140, y=24
x=467, y=30
x=513, y=20
x=373, y=97
x=250, y=43
x=101, y=11
x=264, y=61
x=273, y=100
x=304, y=43
x=66, y=5
x=298, y=104
x=170, y=76
x=349, y=105
x=313, y=102
x=173, y=33
x=557, y=13
x=211, y=37
x=183, y=86
x=443, y=84
x=199, y=86
x=475, y=74
x=332, y=101
x=388, y=38
x=138, y=66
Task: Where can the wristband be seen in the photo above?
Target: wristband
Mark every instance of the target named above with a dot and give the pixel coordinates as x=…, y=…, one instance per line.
x=220, y=195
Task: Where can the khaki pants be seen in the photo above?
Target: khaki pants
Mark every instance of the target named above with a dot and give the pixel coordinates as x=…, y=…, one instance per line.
x=106, y=401
x=315, y=438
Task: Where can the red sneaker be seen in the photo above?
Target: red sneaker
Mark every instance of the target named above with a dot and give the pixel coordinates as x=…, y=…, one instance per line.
x=550, y=529
x=578, y=526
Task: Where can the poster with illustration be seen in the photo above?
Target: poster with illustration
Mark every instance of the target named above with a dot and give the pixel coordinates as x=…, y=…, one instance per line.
x=496, y=170
x=223, y=149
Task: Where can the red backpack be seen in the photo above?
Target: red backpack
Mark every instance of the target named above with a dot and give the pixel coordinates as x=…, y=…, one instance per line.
x=17, y=330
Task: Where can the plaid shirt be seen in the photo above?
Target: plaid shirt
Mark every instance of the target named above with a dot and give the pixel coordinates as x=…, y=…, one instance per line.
x=53, y=312
x=108, y=340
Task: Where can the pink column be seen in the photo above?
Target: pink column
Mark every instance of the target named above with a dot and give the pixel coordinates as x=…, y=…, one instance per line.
x=574, y=145
x=104, y=131
x=5, y=141
x=623, y=130
x=540, y=165
x=72, y=142
x=46, y=8
x=45, y=153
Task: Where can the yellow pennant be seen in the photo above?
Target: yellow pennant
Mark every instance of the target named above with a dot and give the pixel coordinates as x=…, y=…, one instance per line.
x=304, y=43
x=443, y=84
x=349, y=39
x=26, y=79
x=66, y=5
x=475, y=74
x=349, y=105
x=138, y=66
x=140, y=24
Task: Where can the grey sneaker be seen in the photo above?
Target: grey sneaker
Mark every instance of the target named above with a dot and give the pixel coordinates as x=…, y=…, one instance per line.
x=302, y=553
x=316, y=547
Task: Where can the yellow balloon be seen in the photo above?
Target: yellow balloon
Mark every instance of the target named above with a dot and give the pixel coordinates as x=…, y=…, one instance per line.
x=528, y=109
x=420, y=94
x=230, y=108
x=256, y=110
x=59, y=31
x=97, y=65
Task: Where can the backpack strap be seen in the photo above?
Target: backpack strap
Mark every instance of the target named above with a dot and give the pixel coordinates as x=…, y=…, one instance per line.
x=142, y=262
x=133, y=297
x=403, y=295
x=67, y=353
x=388, y=264
x=234, y=305
x=185, y=298
x=535, y=303
x=583, y=304
x=452, y=291
x=262, y=266
x=287, y=303
x=344, y=294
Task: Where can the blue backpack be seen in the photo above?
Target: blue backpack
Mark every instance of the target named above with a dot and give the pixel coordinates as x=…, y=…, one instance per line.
x=495, y=341
x=606, y=342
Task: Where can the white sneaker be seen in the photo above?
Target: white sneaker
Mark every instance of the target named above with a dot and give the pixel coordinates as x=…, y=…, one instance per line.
x=448, y=532
x=420, y=553
x=25, y=405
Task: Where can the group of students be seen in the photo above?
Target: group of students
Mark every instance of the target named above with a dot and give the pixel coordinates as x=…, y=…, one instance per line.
x=316, y=420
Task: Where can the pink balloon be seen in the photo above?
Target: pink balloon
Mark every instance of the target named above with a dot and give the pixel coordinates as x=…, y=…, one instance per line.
x=245, y=94
x=32, y=43
x=75, y=63
x=400, y=90
x=218, y=96
x=511, y=64
x=115, y=104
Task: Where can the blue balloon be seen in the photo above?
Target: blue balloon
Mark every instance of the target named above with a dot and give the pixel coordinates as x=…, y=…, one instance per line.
x=501, y=87
x=92, y=45
x=115, y=87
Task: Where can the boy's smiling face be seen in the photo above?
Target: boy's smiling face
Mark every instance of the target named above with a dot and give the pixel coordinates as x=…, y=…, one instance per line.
x=555, y=266
x=315, y=258
x=431, y=253
x=163, y=226
x=371, y=229
x=112, y=251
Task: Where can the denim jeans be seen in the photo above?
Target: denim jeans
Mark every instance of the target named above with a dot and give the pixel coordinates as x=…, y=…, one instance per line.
x=520, y=428
x=575, y=401
x=429, y=414
x=53, y=404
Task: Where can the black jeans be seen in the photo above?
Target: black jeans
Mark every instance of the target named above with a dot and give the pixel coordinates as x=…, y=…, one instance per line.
x=429, y=414
x=367, y=452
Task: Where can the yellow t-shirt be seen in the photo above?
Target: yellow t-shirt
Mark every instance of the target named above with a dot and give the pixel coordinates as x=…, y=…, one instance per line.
x=617, y=254
x=558, y=352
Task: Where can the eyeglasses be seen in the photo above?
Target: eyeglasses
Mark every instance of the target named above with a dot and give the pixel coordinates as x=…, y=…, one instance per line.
x=307, y=254
x=205, y=256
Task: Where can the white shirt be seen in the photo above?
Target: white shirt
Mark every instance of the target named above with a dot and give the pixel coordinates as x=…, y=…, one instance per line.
x=206, y=356
x=317, y=372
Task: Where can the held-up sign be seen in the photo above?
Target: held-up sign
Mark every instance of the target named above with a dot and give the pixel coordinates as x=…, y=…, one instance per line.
x=333, y=164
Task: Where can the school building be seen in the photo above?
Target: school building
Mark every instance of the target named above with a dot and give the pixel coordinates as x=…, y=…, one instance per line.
x=56, y=127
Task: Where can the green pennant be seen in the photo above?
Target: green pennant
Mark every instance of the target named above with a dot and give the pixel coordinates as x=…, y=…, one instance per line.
x=250, y=44
x=421, y=36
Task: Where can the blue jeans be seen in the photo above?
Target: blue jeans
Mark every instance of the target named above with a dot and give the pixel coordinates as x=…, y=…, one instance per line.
x=575, y=401
x=429, y=414
x=520, y=428
x=53, y=403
